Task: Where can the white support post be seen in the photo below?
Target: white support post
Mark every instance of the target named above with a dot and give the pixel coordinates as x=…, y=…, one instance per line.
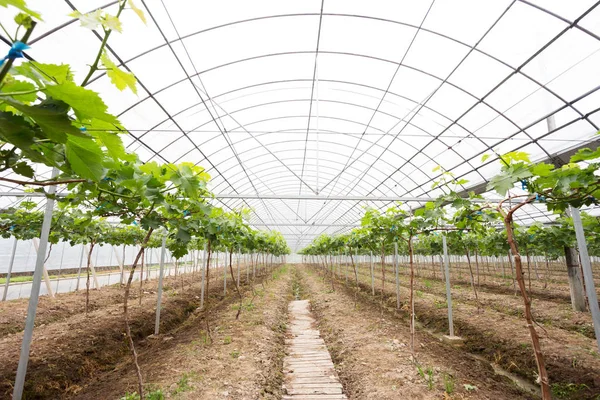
x=119, y=261
x=448, y=295
x=587, y=272
x=372, y=276
x=10, y=267
x=225, y=275
x=36, y=244
x=203, y=277
x=160, y=284
x=397, y=276
x=80, y=265
x=238, y=266
x=35, y=293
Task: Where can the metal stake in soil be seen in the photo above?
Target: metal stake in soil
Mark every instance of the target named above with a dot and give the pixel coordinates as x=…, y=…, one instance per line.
x=448, y=295
x=35, y=293
x=10, y=267
x=397, y=276
x=587, y=272
x=203, y=277
x=160, y=284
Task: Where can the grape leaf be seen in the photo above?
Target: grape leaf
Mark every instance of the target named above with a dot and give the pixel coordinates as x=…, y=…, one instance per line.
x=15, y=130
x=85, y=157
x=90, y=20
x=51, y=116
x=24, y=169
x=139, y=12
x=20, y=86
x=20, y=4
x=85, y=102
x=113, y=145
x=121, y=79
x=111, y=22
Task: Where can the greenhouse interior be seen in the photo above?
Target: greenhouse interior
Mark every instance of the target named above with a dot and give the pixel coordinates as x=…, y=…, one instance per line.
x=299, y=200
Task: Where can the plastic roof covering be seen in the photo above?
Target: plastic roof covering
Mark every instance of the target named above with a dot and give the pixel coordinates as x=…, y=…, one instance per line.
x=341, y=97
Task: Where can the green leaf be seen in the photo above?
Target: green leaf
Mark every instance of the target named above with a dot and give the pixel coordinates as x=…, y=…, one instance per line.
x=23, y=20
x=139, y=12
x=437, y=168
x=462, y=181
x=85, y=157
x=485, y=157
x=20, y=86
x=15, y=130
x=586, y=154
x=542, y=169
x=51, y=116
x=21, y=5
x=110, y=22
x=85, y=102
x=118, y=77
x=24, y=169
x=90, y=20
x=113, y=145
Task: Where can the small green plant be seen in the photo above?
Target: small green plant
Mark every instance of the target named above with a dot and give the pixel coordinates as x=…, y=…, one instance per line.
x=427, y=283
x=227, y=340
x=449, y=383
x=562, y=390
x=419, y=293
x=440, y=304
x=235, y=354
x=152, y=395
x=430, y=378
x=183, y=384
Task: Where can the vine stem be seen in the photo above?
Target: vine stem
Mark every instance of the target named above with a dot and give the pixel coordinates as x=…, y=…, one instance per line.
x=10, y=61
x=539, y=356
x=94, y=66
x=46, y=183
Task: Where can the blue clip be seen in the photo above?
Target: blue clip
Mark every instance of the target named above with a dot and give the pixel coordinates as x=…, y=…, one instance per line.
x=186, y=213
x=539, y=198
x=134, y=223
x=12, y=228
x=83, y=129
x=524, y=184
x=16, y=51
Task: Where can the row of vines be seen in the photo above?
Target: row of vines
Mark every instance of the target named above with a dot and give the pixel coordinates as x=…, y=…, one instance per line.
x=475, y=227
x=106, y=194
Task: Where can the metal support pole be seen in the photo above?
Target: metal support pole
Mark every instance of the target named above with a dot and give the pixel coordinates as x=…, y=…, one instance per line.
x=35, y=293
x=79, y=270
x=44, y=270
x=160, y=284
x=372, y=276
x=238, y=266
x=203, y=277
x=225, y=275
x=587, y=272
x=448, y=295
x=10, y=267
x=397, y=275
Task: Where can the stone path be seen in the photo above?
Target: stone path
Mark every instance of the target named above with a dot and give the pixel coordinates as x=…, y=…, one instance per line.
x=307, y=366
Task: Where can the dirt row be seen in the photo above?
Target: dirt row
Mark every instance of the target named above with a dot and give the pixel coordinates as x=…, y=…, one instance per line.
x=549, y=311
x=572, y=359
x=70, y=350
x=371, y=351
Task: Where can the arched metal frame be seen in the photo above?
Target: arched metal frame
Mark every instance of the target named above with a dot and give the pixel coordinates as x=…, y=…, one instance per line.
x=261, y=164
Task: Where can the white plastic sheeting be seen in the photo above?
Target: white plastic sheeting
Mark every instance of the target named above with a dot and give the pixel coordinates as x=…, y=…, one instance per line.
x=341, y=97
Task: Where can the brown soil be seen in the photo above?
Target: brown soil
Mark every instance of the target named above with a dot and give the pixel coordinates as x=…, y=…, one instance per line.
x=502, y=337
x=371, y=350
x=239, y=359
x=69, y=348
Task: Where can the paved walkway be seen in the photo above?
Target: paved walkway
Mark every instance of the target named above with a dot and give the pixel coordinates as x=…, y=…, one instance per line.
x=308, y=369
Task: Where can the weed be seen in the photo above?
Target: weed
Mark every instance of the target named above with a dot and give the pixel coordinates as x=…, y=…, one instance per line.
x=440, y=304
x=419, y=293
x=427, y=283
x=566, y=390
x=153, y=395
x=449, y=383
x=183, y=384
x=235, y=354
x=227, y=340
x=430, y=378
